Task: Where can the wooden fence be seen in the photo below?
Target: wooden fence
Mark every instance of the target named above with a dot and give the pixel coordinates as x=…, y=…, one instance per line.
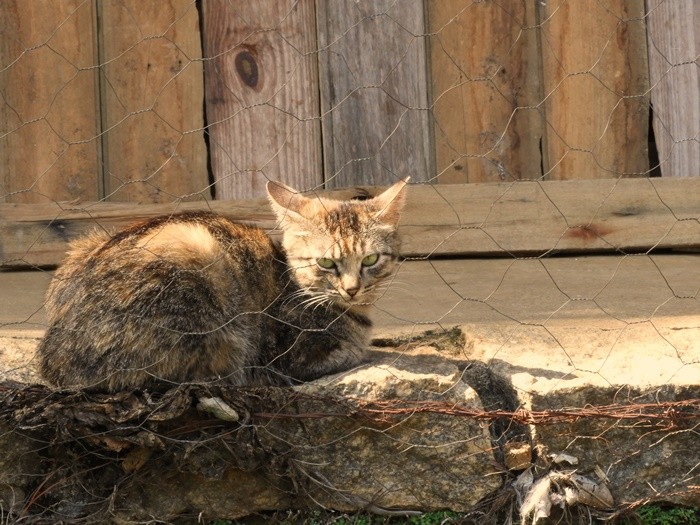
x=146, y=102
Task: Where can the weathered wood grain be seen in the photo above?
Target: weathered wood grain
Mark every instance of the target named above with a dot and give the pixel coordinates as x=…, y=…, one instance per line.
x=674, y=47
x=49, y=124
x=373, y=92
x=584, y=292
x=261, y=95
x=152, y=97
x=595, y=79
x=485, y=75
x=502, y=219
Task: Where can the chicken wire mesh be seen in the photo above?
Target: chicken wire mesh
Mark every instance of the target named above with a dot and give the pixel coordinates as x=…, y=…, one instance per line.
x=537, y=347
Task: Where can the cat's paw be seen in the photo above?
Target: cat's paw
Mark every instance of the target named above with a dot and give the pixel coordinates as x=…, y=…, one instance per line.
x=346, y=357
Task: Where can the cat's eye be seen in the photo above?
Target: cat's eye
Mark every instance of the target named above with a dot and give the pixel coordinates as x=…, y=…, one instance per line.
x=326, y=264
x=370, y=260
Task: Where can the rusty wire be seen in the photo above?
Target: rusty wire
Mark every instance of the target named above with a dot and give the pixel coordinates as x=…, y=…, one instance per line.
x=670, y=415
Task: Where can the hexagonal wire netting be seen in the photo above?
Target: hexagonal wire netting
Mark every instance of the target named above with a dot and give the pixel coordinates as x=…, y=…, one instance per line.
x=536, y=348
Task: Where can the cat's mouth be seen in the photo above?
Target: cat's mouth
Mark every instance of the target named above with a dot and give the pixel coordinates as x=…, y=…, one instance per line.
x=340, y=297
x=362, y=298
x=317, y=297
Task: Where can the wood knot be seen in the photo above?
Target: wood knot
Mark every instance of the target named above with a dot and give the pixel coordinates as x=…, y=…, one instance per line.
x=247, y=68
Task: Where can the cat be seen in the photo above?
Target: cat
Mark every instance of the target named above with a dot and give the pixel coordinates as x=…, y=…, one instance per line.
x=196, y=297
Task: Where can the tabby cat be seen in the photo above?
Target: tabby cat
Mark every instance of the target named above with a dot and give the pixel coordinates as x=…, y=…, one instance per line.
x=196, y=297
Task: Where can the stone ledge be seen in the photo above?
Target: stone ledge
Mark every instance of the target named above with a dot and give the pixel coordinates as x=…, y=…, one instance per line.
x=318, y=444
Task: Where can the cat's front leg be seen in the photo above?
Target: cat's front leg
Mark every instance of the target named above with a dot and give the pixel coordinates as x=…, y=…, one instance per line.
x=313, y=353
x=346, y=356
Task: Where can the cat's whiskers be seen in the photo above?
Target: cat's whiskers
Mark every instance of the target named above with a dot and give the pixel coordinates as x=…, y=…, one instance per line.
x=401, y=286
x=303, y=292
x=377, y=291
x=307, y=297
x=327, y=304
x=316, y=301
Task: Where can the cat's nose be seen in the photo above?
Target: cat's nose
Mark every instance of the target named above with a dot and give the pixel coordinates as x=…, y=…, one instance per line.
x=352, y=292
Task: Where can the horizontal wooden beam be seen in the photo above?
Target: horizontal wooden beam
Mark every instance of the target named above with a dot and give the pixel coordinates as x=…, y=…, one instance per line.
x=507, y=219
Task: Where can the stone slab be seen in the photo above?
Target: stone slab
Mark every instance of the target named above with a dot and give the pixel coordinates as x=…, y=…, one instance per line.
x=590, y=336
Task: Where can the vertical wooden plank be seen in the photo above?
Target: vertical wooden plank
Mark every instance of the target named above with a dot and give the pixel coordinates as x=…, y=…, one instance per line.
x=152, y=101
x=485, y=74
x=373, y=91
x=595, y=78
x=674, y=46
x=49, y=138
x=261, y=95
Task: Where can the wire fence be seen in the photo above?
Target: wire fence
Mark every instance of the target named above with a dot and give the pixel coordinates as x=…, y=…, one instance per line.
x=535, y=349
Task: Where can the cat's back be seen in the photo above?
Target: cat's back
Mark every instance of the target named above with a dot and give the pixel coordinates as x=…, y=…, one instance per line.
x=189, y=239
x=164, y=296
x=205, y=245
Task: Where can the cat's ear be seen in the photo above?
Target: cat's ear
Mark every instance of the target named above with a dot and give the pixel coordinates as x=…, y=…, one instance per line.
x=286, y=202
x=390, y=202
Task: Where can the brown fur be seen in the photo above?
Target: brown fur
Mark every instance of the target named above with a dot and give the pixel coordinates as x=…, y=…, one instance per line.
x=196, y=297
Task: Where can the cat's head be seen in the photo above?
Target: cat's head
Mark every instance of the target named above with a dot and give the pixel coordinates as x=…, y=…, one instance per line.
x=340, y=251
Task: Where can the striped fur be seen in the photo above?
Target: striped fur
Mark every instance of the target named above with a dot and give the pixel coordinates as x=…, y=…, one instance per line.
x=195, y=297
